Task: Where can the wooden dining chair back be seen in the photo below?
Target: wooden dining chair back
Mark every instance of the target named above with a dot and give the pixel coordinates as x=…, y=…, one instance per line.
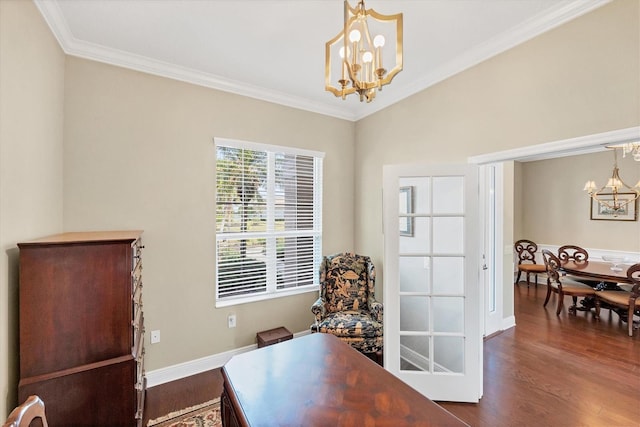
x=562, y=285
x=572, y=253
x=526, y=251
x=22, y=416
x=578, y=255
x=623, y=299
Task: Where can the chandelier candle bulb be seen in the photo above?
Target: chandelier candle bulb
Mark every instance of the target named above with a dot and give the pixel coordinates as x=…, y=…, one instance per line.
x=344, y=64
x=378, y=43
x=354, y=36
x=367, y=57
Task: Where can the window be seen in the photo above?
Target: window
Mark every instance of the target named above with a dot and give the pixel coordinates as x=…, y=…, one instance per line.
x=268, y=221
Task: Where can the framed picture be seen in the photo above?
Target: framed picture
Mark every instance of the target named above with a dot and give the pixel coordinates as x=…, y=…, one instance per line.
x=601, y=211
x=406, y=207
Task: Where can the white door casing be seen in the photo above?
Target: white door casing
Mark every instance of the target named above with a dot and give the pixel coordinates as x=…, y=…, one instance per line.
x=491, y=213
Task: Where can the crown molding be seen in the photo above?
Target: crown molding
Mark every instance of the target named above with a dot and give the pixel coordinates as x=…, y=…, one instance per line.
x=532, y=28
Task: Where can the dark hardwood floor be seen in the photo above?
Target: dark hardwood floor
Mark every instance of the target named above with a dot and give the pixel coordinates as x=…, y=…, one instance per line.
x=558, y=370
x=549, y=370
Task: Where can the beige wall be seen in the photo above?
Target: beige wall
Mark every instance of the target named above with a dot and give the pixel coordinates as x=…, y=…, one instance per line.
x=555, y=210
x=139, y=154
x=578, y=79
x=31, y=105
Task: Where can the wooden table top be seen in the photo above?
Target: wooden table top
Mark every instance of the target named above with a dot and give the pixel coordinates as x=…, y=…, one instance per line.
x=317, y=380
x=599, y=270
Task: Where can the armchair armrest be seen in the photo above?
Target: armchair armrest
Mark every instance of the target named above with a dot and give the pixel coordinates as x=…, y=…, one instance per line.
x=376, y=310
x=318, y=309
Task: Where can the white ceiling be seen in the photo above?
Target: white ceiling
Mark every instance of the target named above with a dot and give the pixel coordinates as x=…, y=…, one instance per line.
x=274, y=49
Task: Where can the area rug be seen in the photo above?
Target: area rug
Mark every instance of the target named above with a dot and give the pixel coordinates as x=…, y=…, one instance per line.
x=203, y=415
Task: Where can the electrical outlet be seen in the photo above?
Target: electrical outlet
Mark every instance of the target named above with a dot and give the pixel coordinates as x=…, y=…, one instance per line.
x=155, y=337
x=231, y=321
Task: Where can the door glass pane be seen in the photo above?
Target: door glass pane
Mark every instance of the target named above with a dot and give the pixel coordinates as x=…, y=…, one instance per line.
x=414, y=313
x=414, y=274
x=448, y=236
x=420, y=189
x=449, y=192
x=448, y=275
x=418, y=241
x=448, y=314
x=414, y=353
x=448, y=354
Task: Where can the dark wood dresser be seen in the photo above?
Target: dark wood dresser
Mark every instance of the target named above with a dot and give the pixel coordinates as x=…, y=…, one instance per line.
x=317, y=380
x=82, y=327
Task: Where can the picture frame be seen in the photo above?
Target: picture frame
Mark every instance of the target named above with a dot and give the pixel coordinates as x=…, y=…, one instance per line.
x=406, y=207
x=600, y=212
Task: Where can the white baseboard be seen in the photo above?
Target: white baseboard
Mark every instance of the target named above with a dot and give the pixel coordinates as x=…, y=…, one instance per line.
x=193, y=367
x=508, y=322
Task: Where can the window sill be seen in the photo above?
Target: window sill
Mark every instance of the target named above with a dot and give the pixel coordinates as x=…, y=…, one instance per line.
x=231, y=301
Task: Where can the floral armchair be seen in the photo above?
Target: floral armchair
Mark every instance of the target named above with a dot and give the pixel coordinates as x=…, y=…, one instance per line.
x=347, y=307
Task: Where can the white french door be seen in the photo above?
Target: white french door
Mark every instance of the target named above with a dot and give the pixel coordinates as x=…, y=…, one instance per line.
x=432, y=287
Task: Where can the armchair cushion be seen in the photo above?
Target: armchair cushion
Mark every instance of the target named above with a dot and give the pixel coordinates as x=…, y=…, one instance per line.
x=350, y=324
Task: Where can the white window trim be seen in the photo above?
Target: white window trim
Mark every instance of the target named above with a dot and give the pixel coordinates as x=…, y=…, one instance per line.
x=272, y=293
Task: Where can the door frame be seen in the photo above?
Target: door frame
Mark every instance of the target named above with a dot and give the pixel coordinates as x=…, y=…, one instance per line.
x=561, y=148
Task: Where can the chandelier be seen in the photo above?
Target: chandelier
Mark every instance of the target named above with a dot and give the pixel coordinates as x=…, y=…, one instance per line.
x=356, y=60
x=616, y=194
x=632, y=148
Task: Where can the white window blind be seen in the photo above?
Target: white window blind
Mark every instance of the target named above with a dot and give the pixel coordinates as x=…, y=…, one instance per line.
x=268, y=221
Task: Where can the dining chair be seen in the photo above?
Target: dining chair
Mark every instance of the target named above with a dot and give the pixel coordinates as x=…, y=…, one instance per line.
x=526, y=251
x=562, y=285
x=572, y=253
x=578, y=255
x=623, y=299
x=23, y=414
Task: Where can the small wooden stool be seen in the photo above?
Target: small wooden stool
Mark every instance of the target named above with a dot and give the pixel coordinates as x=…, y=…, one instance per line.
x=273, y=336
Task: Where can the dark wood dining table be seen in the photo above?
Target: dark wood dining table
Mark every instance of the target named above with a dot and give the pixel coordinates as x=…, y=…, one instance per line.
x=597, y=270
x=600, y=274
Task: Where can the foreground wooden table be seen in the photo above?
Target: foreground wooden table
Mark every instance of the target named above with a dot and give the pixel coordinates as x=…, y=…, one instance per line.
x=317, y=380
